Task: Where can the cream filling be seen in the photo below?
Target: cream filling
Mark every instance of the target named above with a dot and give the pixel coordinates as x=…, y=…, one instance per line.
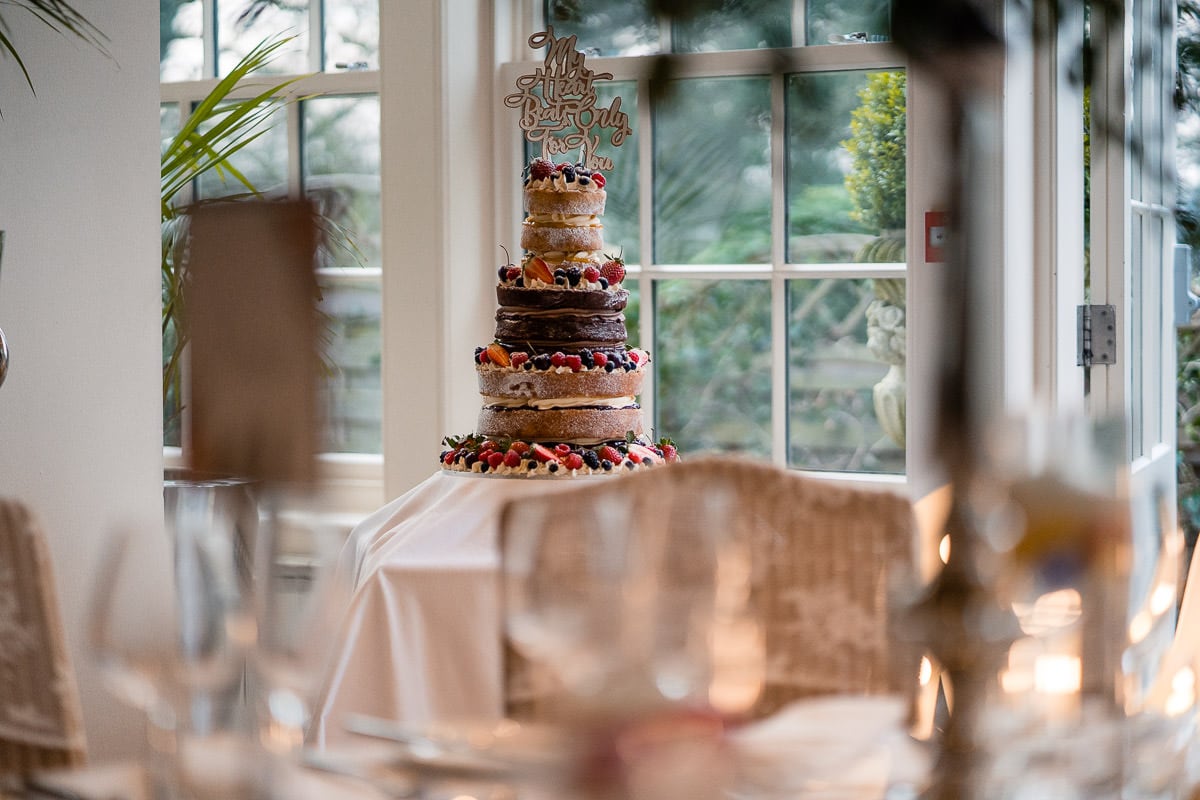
x=564, y=220
x=558, y=183
x=552, y=403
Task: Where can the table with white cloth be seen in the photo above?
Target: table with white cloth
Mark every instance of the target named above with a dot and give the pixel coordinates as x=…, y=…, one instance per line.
x=422, y=640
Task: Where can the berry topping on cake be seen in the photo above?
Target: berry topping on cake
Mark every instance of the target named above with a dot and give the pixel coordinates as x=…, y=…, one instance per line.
x=610, y=453
x=536, y=268
x=599, y=359
x=512, y=459
x=573, y=461
x=574, y=362
x=512, y=273
x=495, y=459
x=498, y=355
x=669, y=451
x=558, y=359
x=639, y=453
x=562, y=448
x=591, y=275
x=598, y=179
x=613, y=270
x=518, y=358
x=543, y=453
x=541, y=168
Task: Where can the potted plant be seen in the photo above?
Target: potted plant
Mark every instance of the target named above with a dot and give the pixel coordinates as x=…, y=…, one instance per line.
x=214, y=132
x=876, y=183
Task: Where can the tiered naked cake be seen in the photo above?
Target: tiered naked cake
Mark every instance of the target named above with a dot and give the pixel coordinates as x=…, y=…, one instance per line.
x=559, y=383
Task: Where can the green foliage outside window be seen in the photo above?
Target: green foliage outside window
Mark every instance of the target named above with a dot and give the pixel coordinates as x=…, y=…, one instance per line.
x=877, y=145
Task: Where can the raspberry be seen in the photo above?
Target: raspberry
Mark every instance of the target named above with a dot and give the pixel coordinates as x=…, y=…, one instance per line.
x=512, y=458
x=495, y=459
x=598, y=179
x=574, y=362
x=482, y=357
x=562, y=166
x=558, y=359
x=591, y=274
x=562, y=448
x=573, y=461
x=518, y=358
x=599, y=358
x=541, y=168
x=613, y=270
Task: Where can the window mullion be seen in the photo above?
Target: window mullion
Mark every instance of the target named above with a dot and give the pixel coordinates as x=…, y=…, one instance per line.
x=208, y=37
x=295, y=150
x=316, y=35
x=645, y=140
x=779, y=236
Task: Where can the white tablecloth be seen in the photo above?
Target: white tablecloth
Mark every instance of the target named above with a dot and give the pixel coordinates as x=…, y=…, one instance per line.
x=422, y=639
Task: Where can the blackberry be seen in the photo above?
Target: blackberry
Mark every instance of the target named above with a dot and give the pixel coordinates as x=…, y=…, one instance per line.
x=573, y=275
x=568, y=173
x=591, y=459
x=586, y=357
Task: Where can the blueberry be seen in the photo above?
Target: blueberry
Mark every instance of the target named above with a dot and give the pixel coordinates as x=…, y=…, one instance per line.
x=560, y=273
x=603, y=282
x=478, y=350
x=552, y=466
x=520, y=282
x=561, y=281
x=610, y=366
x=541, y=361
x=629, y=366
x=470, y=459
x=628, y=464
x=584, y=180
x=528, y=365
x=483, y=466
x=606, y=465
x=568, y=173
x=591, y=459
x=532, y=465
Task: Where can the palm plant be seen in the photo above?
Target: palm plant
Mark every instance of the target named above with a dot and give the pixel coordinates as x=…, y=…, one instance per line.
x=57, y=15
x=216, y=130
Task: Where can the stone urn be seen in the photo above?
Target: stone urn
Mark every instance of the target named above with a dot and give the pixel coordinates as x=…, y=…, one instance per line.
x=886, y=337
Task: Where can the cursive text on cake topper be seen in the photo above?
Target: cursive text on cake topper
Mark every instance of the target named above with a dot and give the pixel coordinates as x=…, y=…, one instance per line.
x=558, y=103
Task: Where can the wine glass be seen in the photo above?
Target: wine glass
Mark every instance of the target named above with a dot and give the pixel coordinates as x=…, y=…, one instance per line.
x=139, y=629
x=300, y=597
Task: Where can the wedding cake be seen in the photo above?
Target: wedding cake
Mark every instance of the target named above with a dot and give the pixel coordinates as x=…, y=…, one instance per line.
x=559, y=384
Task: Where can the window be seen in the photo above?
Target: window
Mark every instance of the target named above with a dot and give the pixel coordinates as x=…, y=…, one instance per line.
x=761, y=205
x=325, y=147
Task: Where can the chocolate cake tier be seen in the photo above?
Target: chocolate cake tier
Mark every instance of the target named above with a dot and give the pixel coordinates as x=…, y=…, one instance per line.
x=538, y=384
x=513, y=297
x=548, y=201
x=568, y=327
x=580, y=425
x=538, y=238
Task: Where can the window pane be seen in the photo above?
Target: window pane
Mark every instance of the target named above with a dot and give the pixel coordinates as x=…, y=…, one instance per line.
x=846, y=174
x=733, y=25
x=712, y=172
x=633, y=312
x=237, y=36
x=341, y=172
x=606, y=27
x=352, y=388
x=621, y=229
x=180, y=40
x=846, y=356
x=263, y=162
x=168, y=123
x=829, y=20
x=352, y=33
x=712, y=362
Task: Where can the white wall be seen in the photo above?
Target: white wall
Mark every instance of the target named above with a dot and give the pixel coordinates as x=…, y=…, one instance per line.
x=80, y=418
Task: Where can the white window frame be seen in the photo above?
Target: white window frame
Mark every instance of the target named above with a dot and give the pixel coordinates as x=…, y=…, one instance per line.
x=354, y=480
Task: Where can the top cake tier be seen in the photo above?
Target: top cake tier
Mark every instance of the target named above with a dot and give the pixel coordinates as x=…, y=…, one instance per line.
x=563, y=204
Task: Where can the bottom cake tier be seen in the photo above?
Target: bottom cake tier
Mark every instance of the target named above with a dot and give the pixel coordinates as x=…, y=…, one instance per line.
x=518, y=458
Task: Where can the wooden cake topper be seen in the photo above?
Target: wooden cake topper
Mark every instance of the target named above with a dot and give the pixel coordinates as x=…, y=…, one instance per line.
x=558, y=104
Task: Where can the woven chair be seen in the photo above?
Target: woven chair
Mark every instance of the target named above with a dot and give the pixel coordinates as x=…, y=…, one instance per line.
x=825, y=561
x=41, y=723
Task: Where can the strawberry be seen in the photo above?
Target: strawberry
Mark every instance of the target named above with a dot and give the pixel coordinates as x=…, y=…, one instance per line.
x=639, y=453
x=610, y=453
x=448, y=459
x=512, y=458
x=520, y=447
x=495, y=459
x=536, y=268
x=497, y=354
x=574, y=362
x=518, y=358
x=487, y=445
x=573, y=461
x=541, y=168
x=599, y=359
x=635, y=357
x=543, y=453
x=670, y=453
x=598, y=179
x=613, y=270
x=591, y=274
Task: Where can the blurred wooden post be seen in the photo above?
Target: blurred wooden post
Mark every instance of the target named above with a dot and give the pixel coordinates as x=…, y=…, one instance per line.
x=252, y=298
